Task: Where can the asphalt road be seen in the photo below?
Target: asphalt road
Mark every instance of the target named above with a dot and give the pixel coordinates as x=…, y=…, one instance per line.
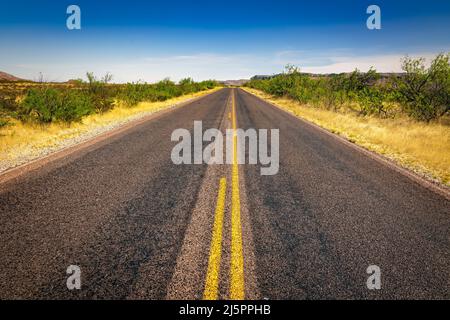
x=141, y=227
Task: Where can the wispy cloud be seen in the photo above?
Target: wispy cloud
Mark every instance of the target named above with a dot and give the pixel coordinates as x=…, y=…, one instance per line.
x=342, y=60
x=199, y=58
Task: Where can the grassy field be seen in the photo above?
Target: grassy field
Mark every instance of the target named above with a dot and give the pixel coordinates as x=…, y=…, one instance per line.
x=420, y=146
x=21, y=142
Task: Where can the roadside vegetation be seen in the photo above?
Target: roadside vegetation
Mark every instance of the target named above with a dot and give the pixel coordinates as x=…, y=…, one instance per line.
x=45, y=103
x=37, y=118
x=405, y=117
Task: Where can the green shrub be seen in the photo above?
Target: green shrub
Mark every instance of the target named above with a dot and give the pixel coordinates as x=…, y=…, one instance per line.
x=166, y=89
x=207, y=84
x=102, y=95
x=133, y=93
x=73, y=106
x=371, y=100
x=45, y=105
x=187, y=85
x=39, y=105
x=425, y=92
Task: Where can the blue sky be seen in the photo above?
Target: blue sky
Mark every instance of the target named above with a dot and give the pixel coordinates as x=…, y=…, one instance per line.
x=150, y=40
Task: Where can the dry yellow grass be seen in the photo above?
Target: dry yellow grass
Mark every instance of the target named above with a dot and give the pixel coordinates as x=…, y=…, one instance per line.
x=423, y=148
x=20, y=143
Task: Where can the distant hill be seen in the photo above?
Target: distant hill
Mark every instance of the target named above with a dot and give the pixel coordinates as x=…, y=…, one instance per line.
x=239, y=82
x=8, y=77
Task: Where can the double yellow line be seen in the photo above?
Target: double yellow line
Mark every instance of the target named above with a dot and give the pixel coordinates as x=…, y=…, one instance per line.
x=237, y=258
x=212, y=276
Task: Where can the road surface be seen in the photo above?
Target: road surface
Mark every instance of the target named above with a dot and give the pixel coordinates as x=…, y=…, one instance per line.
x=140, y=227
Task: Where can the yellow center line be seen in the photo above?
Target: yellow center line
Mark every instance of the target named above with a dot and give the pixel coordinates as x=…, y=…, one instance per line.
x=212, y=276
x=237, y=258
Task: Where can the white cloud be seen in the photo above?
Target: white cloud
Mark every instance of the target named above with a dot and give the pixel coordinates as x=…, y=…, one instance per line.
x=343, y=61
x=200, y=58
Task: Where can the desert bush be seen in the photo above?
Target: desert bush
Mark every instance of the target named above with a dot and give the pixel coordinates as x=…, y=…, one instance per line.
x=425, y=92
x=73, y=106
x=133, y=93
x=187, y=85
x=45, y=105
x=166, y=89
x=371, y=100
x=207, y=84
x=102, y=95
x=39, y=105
